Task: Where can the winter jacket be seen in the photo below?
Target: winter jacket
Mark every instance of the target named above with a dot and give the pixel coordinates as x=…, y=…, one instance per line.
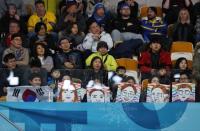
x=107, y=59
x=145, y=62
x=91, y=44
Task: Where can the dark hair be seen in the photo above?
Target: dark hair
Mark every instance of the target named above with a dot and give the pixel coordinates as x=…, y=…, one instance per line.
x=154, y=9
x=179, y=60
x=156, y=39
x=16, y=35
x=150, y=79
x=35, y=75
x=8, y=57
x=120, y=68
x=90, y=22
x=102, y=44
x=39, y=25
x=35, y=62
x=70, y=26
x=34, y=53
x=129, y=78
x=39, y=2
x=92, y=61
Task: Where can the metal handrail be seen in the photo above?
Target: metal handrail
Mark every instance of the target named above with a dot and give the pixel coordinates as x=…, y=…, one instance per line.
x=10, y=122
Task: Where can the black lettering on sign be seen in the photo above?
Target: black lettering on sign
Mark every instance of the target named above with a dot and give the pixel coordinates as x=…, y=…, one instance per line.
x=16, y=92
x=40, y=91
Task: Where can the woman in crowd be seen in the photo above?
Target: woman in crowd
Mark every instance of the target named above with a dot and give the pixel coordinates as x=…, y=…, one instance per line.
x=180, y=66
x=183, y=30
x=42, y=36
x=40, y=52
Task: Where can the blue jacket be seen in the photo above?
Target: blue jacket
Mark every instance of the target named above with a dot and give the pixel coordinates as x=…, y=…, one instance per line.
x=155, y=26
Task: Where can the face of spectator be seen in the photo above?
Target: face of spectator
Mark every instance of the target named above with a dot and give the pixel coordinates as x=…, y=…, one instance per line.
x=183, y=65
x=125, y=11
x=127, y=94
x=97, y=64
x=72, y=9
x=151, y=14
x=40, y=50
x=131, y=81
x=74, y=29
x=184, y=15
x=17, y=42
x=100, y=12
x=11, y=64
x=155, y=47
x=155, y=80
x=184, y=93
x=36, y=81
x=13, y=28
x=12, y=10
x=97, y=96
x=40, y=9
x=65, y=45
x=157, y=95
x=42, y=31
x=95, y=28
x=162, y=72
x=55, y=74
x=183, y=78
x=103, y=50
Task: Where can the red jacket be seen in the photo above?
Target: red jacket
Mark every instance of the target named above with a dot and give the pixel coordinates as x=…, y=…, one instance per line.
x=145, y=61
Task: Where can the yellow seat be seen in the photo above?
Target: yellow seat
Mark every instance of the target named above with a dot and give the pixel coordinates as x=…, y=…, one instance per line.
x=129, y=64
x=182, y=46
x=143, y=11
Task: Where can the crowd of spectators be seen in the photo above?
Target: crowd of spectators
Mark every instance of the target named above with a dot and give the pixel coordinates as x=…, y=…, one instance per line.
x=89, y=34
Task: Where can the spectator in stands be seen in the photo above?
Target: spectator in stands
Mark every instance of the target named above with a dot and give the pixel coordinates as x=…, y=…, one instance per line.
x=21, y=53
x=74, y=33
x=11, y=14
x=91, y=5
x=133, y=6
x=180, y=66
x=40, y=52
x=96, y=71
x=41, y=15
x=14, y=27
x=36, y=67
x=171, y=9
x=154, y=79
x=67, y=58
x=183, y=30
x=81, y=6
x=196, y=11
x=184, y=78
x=154, y=58
x=11, y=75
x=19, y=6
x=153, y=24
x=35, y=79
x=102, y=17
x=70, y=14
x=126, y=26
x=109, y=61
x=42, y=36
x=164, y=76
x=94, y=36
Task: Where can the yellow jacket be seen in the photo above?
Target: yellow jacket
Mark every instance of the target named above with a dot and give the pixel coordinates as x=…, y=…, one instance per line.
x=108, y=60
x=47, y=19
